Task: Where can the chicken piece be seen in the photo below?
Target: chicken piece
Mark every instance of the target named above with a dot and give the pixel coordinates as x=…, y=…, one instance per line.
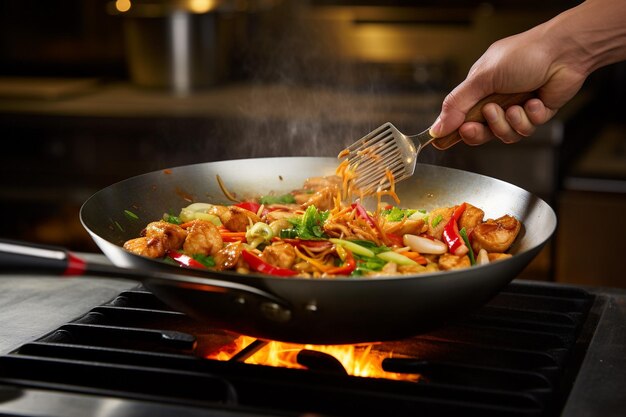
x=172, y=236
x=407, y=226
x=302, y=197
x=418, y=269
x=437, y=220
x=228, y=257
x=319, y=192
x=498, y=256
x=449, y=261
x=280, y=254
x=471, y=217
x=322, y=199
x=152, y=248
x=235, y=219
x=495, y=235
x=317, y=183
x=203, y=237
x=217, y=210
x=159, y=237
x=277, y=215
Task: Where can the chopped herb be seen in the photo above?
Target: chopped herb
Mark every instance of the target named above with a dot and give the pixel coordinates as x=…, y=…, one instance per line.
x=367, y=264
x=396, y=214
x=463, y=234
x=311, y=224
x=170, y=218
x=437, y=220
x=131, y=215
x=170, y=261
x=280, y=199
x=119, y=226
x=205, y=260
x=288, y=234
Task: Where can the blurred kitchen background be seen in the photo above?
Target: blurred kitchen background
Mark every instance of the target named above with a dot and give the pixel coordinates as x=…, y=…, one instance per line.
x=95, y=91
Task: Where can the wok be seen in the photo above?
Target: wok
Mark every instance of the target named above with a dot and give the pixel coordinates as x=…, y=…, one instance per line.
x=302, y=310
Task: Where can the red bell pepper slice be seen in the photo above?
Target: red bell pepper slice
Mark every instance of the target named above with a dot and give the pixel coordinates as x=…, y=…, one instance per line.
x=249, y=205
x=348, y=266
x=185, y=260
x=259, y=265
x=451, y=235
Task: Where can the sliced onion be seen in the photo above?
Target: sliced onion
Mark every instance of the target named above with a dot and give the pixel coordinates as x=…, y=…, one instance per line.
x=482, y=258
x=198, y=211
x=199, y=207
x=418, y=215
x=424, y=245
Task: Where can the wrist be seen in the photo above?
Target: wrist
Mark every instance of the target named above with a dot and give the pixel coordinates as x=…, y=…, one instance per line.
x=590, y=35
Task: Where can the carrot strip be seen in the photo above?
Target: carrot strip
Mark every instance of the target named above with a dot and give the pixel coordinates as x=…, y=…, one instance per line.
x=416, y=256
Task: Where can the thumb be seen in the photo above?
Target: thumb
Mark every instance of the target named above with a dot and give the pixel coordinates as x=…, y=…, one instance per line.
x=455, y=107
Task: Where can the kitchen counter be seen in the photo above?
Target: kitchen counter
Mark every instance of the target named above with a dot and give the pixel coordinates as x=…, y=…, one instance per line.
x=234, y=101
x=31, y=306
x=247, y=102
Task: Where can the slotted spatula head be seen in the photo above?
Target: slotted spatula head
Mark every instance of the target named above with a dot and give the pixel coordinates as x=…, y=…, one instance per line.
x=386, y=149
x=383, y=149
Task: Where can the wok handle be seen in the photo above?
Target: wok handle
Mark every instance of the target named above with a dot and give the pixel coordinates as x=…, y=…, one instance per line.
x=475, y=114
x=31, y=258
x=21, y=257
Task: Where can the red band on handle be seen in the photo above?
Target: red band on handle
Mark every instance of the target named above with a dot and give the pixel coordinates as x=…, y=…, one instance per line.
x=75, y=266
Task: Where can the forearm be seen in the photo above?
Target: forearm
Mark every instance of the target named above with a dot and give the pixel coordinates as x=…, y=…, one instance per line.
x=591, y=35
x=552, y=59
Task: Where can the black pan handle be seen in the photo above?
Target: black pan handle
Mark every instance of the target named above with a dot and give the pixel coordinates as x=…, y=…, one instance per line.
x=21, y=257
x=31, y=258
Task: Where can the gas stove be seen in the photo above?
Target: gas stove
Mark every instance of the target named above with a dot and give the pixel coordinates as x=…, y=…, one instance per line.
x=108, y=347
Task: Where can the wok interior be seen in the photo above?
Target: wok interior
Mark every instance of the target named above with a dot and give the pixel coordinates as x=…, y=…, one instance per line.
x=121, y=211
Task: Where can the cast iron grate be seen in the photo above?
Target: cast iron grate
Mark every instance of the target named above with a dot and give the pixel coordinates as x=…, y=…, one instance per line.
x=516, y=356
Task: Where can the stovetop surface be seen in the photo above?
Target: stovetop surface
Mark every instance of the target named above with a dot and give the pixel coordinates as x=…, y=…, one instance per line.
x=31, y=307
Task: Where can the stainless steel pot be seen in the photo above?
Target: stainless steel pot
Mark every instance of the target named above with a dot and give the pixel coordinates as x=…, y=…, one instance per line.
x=179, y=48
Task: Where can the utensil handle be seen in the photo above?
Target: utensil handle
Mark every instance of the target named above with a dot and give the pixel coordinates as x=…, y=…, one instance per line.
x=28, y=257
x=475, y=114
x=21, y=257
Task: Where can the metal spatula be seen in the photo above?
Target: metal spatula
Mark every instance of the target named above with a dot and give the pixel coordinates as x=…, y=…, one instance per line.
x=387, y=148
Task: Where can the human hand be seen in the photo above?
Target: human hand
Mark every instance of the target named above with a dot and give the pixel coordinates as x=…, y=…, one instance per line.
x=521, y=63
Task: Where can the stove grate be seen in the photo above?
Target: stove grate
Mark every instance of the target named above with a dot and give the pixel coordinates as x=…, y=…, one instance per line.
x=512, y=357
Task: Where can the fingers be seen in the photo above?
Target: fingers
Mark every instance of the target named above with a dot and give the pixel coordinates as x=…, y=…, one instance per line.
x=537, y=112
x=475, y=133
x=509, y=126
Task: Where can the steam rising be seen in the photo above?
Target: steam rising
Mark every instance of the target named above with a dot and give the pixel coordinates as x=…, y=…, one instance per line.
x=309, y=100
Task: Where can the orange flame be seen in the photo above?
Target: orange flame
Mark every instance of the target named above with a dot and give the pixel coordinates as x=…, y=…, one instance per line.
x=357, y=360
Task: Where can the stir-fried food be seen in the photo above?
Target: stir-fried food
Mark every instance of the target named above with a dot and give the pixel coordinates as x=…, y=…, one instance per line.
x=312, y=232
